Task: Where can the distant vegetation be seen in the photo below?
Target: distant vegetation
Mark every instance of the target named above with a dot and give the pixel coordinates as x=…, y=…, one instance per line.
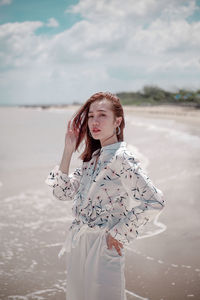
x=153, y=95
x=150, y=95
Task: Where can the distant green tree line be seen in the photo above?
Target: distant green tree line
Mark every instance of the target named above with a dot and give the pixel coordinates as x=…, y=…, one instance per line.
x=153, y=95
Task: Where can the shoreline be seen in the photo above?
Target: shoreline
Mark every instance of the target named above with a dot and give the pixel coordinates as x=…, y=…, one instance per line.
x=34, y=224
x=189, y=114
x=181, y=114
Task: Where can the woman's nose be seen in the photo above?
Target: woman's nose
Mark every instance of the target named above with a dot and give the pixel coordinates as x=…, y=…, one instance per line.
x=95, y=121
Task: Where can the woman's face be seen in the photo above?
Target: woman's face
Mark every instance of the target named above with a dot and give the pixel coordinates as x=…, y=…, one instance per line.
x=102, y=122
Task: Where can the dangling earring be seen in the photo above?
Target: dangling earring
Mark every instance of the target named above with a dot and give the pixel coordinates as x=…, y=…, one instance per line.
x=119, y=130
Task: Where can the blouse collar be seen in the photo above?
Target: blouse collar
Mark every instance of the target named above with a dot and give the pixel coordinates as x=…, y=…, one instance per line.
x=110, y=147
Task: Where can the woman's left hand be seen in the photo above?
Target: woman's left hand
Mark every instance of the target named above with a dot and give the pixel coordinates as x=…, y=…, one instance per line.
x=113, y=242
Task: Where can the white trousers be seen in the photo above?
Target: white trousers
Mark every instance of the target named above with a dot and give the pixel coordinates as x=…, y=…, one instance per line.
x=93, y=271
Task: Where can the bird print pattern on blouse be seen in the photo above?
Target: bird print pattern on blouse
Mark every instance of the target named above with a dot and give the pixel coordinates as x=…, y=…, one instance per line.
x=117, y=195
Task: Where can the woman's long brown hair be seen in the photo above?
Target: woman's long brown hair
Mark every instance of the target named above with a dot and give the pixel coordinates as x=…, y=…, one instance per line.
x=80, y=121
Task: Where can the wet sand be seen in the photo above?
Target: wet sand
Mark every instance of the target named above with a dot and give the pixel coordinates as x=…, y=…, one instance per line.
x=33, y=224
x=166, y=266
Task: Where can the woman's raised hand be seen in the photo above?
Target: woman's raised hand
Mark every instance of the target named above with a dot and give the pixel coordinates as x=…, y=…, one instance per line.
x=71, y=137
x=113, y=242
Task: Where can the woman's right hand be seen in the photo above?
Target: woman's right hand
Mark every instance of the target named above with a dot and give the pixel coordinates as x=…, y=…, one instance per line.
x=71, y=137
x=112, y=242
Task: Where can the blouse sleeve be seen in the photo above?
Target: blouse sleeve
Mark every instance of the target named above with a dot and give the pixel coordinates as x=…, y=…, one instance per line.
x=145, y=201
x=64, y=186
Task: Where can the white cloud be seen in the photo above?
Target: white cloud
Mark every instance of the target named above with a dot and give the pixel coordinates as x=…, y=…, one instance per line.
x=5, y=2
x=136, y=11
x=95, y=10
x=52, y=23
x=162, y=37
x=19, y=44
x=178, y=10
x=118, y=46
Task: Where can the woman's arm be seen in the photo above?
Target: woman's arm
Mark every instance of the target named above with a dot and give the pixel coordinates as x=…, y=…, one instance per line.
x=146, y=201
x=66, y=159
x=65, y=186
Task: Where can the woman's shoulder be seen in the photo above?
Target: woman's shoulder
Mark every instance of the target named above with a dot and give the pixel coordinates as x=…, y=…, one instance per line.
x=126, y=161
x=124, y=154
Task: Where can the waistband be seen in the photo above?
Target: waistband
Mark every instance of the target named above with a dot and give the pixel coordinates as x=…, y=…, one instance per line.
x=74, y=235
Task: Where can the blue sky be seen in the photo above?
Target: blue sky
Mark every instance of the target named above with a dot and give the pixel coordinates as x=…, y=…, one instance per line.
x=40, y=10
x=64, y=51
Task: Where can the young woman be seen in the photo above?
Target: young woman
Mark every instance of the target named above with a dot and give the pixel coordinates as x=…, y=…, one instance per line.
x=112, y=200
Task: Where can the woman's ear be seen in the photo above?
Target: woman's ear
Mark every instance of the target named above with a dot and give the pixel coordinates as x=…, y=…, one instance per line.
x=118, y=121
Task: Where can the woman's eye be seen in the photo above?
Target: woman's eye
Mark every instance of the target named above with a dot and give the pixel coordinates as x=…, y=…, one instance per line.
x=101, y=115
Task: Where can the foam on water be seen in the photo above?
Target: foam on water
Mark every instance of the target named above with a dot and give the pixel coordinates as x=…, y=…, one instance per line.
x=38, y=295
x=39, y=203
x=50, y=109
x=179, y=135
x=159, y=228
x=34, y=211
x=33, y=227
x=168, y=265
x=184, y=174
x=60, y=110
x=136, y=295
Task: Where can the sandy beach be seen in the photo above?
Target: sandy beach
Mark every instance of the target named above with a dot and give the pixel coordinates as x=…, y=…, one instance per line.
x=163, y=265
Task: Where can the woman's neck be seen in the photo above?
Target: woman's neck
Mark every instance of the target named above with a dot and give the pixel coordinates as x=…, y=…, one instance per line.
x=110, y=140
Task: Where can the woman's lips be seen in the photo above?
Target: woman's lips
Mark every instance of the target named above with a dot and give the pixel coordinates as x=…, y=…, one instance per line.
x=96, y=130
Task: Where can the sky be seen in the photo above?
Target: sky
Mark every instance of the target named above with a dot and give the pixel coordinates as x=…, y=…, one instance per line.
x=63, y=51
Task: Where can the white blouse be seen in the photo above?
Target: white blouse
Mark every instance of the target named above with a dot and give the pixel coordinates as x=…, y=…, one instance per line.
x=117, y=195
